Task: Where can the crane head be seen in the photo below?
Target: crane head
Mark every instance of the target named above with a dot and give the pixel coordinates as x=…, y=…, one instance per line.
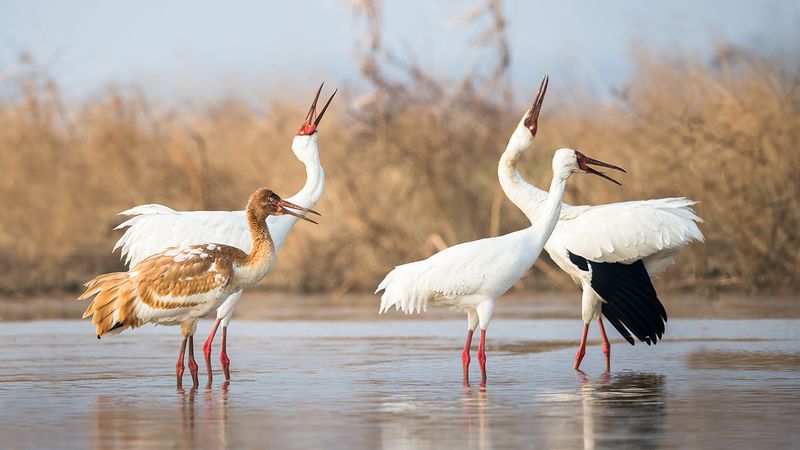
x=531, y=120
x=583, y=166
x=312, y=120
x=265, y=203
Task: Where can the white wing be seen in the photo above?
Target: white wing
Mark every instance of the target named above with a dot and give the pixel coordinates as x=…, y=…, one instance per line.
x=653, y=230
x=155, y=228
x=486, y=267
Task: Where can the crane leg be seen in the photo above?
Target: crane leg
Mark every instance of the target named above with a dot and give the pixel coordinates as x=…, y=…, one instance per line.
x=207, y=347
x=223, y=354
x=482, y=357
x=179, y=363
x=582, y=349
x=465, y=357
x=606, y=344
x=192, y=363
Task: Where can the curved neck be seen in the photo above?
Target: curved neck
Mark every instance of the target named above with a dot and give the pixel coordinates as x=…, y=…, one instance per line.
x=311, y=192
x=263, y=247
x=527, y=197
x=550, y=210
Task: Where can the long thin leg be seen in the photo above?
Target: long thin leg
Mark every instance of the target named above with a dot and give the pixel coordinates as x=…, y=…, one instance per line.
x=207, y=347
x=223, y=354
x=582, y=350
x=179, y=363
x=482, y=357
x=465, y=357
x=606, y=344
x=192, y=362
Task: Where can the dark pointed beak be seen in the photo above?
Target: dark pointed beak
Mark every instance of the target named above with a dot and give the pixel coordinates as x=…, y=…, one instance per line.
x=324, y=108
x=595, y=162
x=286, y=208
x=312, y=110
x=532, y=117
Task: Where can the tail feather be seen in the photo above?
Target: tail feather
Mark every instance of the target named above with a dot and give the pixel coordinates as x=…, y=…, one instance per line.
x=112, y=308
x=401, y=289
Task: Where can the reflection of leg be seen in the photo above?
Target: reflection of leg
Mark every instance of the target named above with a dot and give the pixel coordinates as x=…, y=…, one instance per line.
x=482, y=357
x=179, y=363
x=192, y=362
x=582, y=350
x=223, y=354
x=207, y=347
x=606, y=344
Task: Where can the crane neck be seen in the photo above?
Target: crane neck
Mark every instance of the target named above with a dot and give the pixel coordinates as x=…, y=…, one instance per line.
x=307, y=152
x=527, y=197
x=311, y=192
x=263, y=247
x=550, y=210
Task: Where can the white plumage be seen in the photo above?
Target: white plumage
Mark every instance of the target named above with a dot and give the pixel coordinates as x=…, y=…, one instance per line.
x=610, y=240
x=154, y=227
x=473, y=275
x=182, y=284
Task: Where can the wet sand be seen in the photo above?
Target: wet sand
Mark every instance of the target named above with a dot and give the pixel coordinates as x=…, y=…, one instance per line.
x=396, y=383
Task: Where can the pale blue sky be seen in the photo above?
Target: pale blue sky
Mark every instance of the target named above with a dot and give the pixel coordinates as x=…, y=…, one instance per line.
x=176, y=48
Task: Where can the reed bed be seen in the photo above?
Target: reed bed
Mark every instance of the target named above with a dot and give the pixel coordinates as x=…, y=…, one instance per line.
x=410, y=168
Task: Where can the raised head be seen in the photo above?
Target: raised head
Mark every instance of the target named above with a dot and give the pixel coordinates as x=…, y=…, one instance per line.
x=531, y=118
x=568, y=161
x=304, y=144
x=264, y=202
x=312, y=120
x=523, y=135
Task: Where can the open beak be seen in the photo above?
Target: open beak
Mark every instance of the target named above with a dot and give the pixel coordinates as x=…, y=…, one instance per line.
x=286, y=208
x=311, y=116
x=532, y=117
x=595, y=162
x=324, y=108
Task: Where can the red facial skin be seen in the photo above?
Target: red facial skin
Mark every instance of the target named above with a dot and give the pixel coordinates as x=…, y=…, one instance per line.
x=307, y=129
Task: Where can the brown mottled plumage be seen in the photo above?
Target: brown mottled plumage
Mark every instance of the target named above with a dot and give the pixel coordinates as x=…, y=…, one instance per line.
x=182, y=284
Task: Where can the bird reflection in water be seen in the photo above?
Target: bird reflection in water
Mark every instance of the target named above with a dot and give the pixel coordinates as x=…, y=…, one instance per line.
x=623, y=410
x=192, y=418
x=476, y=402
x=214, y=414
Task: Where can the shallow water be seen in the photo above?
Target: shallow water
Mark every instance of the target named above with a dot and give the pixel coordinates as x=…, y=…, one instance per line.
x=397, y=384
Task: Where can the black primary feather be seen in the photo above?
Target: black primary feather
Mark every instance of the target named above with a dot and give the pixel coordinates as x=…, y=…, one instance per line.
x=631, y=303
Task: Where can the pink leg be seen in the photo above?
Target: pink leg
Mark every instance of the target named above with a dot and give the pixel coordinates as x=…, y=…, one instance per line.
x=465, y=357
x=179, y=363
x=192, y=362
x=207, y=347
x=582, y=350
x=482, y=357
x=606, y=344
x=223, y=355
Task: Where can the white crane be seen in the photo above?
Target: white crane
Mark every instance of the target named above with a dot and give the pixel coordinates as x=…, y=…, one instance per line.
x=611, y=251
x=473, y=275
x=181, y=284
x=155, y=227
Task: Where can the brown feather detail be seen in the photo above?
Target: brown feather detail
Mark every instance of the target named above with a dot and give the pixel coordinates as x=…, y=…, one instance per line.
x=176, y=273
x=183, y=272
x=168, y=280
x=113, y=292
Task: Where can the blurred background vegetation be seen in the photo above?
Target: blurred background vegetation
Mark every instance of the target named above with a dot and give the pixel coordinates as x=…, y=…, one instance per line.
x=410, y=165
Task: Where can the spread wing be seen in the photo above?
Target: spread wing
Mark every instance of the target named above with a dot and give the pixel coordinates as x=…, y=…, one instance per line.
x=154, y=228
x=629, y=231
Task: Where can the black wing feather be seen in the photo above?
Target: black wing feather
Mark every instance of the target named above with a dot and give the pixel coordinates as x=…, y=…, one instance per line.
x=631, y=303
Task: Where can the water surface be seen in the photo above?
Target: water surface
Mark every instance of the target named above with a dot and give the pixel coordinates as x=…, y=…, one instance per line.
x=396, y=384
